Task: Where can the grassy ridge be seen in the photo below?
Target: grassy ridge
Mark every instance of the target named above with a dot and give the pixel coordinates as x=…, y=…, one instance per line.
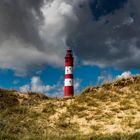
x=117, y=136
x=109, y=112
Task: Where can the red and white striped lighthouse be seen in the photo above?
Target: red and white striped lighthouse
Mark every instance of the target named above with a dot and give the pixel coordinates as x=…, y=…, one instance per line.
x=68, y=84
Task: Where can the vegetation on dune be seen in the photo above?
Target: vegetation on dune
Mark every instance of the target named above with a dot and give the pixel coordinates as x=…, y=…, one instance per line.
x=116, y=136
x=109, y=112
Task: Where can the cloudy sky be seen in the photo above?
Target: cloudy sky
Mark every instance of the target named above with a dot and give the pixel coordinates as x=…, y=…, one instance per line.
x=34, y=36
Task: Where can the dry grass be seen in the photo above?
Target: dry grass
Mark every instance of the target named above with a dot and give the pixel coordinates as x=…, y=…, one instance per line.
x=110, y=112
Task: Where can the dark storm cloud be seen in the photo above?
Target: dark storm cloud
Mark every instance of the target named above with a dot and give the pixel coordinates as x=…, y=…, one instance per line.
x=36, y=33
x=18, y=19
x=31, y=31
x=113, y=39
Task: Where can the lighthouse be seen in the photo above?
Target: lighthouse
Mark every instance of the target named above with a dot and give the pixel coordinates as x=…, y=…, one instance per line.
x=68, y=84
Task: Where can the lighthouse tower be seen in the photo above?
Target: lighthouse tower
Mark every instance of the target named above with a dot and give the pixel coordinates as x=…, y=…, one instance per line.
x=68, y=86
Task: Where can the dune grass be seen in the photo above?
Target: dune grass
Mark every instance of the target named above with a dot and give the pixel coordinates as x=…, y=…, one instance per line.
x=109, y=112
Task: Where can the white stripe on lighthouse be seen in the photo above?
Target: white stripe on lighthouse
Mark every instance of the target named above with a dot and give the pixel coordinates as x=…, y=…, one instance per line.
x=68, y=70
x=68, y=82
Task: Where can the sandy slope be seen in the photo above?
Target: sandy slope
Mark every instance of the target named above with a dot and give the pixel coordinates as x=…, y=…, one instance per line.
x=112, y=108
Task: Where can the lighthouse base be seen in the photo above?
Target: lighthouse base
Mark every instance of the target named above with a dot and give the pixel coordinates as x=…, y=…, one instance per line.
x=68, y=97
x=68, y=91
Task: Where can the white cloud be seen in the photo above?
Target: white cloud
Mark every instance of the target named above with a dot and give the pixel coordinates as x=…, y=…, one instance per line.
x=59, y=19
x=25, y=88
x=36, y=85
x=77, y=87
x=108, y=77
x=125, y=74
x=104, y=77
x=56, y=90
x=17, y=55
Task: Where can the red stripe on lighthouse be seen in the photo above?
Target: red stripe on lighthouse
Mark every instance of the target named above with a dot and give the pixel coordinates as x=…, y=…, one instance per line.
x=68, y=91
x=69, y=64
x=68, y=76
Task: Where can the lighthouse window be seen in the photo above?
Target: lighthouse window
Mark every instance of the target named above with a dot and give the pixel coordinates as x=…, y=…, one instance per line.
x=70, y=81
x=68, y=70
